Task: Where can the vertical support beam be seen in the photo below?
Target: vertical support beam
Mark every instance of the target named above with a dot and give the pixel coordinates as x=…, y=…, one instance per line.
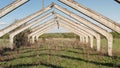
x=98, y=42
x=110, y=42
x=91, y=41
x=76, y=30
x=80, y=38
x=33, y=39
x=37, y=38
x=97, y=36
x=86, y=39
x=11, y=42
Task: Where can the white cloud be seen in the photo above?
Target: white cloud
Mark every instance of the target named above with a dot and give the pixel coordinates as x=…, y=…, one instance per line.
x=3, y=23
x=119, y=21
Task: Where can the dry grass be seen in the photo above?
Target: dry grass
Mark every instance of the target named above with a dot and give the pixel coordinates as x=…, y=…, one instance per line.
x=57, y=54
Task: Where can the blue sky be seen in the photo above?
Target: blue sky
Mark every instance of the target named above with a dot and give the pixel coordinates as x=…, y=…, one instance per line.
x=108, y=8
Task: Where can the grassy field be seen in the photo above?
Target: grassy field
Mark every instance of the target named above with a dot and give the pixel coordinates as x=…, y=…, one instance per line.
x=116, y=45
x=57, y=54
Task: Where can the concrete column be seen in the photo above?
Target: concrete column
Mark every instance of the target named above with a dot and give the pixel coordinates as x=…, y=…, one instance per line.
x=98, y=42
x=86, y=33
x=79, y=32
x=11, y=42
x=83, y=39
x=80, y=38
x=79, y=26
x=33, y=39
x=91, y=41
x=86, y=39
x=37, y=38
x=84, y=21
x=110, y=42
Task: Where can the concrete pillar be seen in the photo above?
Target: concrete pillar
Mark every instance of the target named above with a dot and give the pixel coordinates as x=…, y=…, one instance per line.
x=98, y=42
x=86, y=39
x=73, y=29
x=84, y=21
x=91, y=41
x=76, y=24
x=79, y=30
x=37, y=38
x=33, y=39
x=110, y=42
x=80, y=38
x=11, y=42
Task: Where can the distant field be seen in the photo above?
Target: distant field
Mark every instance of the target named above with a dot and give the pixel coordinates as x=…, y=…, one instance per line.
x=57, y=54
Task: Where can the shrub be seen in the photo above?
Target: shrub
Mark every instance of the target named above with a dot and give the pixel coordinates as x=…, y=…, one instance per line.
x=22, y=39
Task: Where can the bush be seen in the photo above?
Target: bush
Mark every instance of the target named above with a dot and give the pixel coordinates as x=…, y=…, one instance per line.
x=115, y=34
x=59, y=35
x=22, y=39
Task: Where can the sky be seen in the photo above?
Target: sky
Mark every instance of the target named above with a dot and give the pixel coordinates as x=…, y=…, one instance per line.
x=108, y=8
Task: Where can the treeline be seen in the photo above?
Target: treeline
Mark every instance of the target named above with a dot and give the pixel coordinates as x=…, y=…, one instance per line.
x=115, y=34
x=59, y=35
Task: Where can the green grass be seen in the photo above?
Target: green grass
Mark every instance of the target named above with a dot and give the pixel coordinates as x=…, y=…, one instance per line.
x=3, y=41
x=116, y=45
x=57, y=54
